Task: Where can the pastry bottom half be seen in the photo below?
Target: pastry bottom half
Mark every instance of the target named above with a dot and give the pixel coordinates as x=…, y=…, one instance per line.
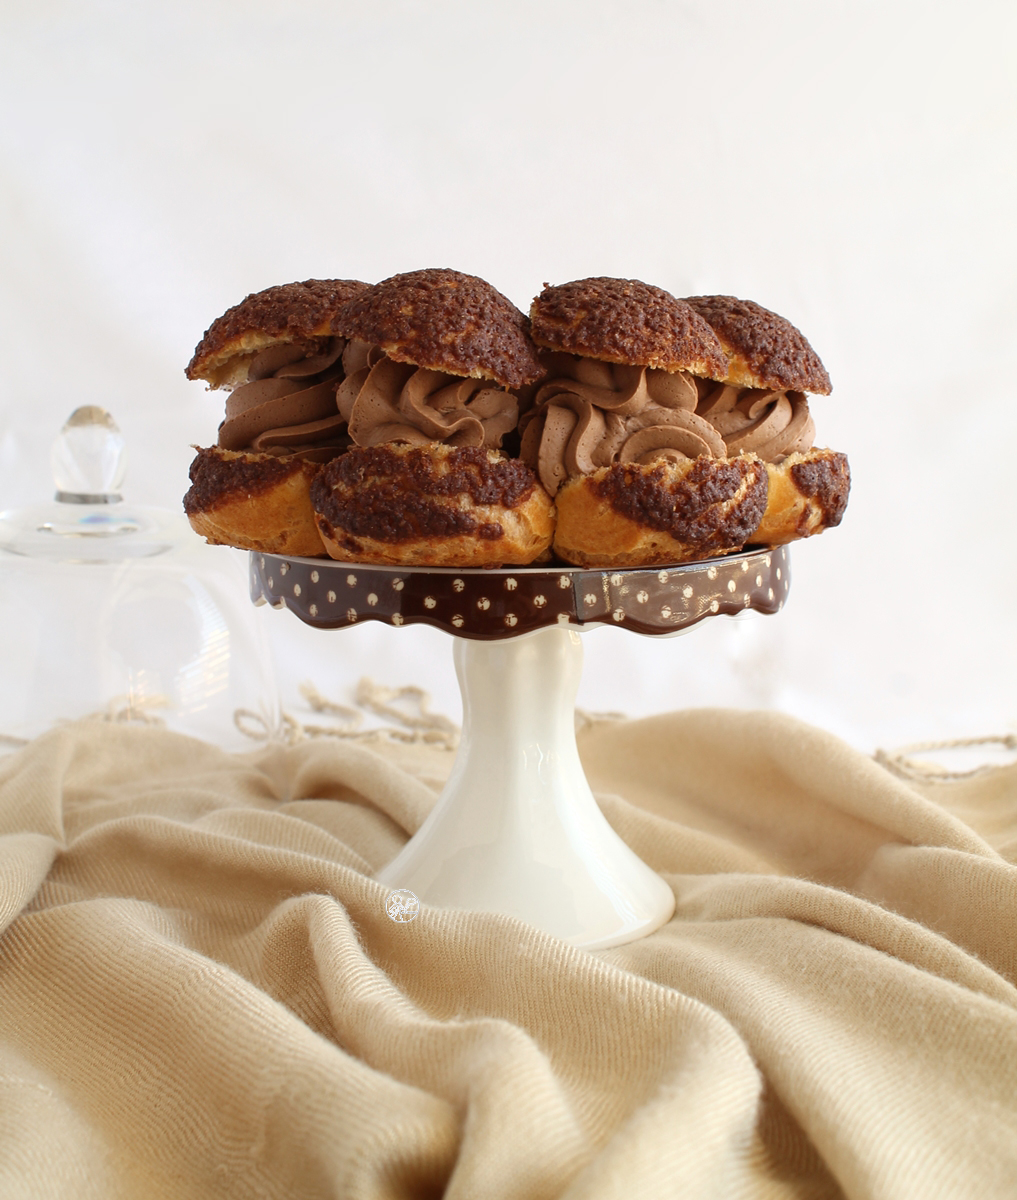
x=254, y=502
x=432, y=505
x=808, y=492
x=444, y=506
x=637, y=515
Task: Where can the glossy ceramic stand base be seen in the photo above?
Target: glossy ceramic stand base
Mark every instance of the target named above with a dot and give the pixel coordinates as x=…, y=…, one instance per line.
x=516, y=829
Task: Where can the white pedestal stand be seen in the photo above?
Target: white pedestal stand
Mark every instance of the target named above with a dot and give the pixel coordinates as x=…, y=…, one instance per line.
x=516, y=829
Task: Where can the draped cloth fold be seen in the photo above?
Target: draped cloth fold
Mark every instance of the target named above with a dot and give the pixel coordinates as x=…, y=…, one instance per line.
x=201, y=993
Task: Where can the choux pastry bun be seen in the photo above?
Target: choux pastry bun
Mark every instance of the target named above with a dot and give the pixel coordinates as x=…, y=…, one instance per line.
x=436, y=365
x=760, y=404
x=278, y=354
x=638, y=476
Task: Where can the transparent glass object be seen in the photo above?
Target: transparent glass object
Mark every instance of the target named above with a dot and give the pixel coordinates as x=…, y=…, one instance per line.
x=122, y=612
x=516, y=829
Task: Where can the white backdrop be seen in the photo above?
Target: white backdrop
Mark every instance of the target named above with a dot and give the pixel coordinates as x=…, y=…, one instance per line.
x=851, y=166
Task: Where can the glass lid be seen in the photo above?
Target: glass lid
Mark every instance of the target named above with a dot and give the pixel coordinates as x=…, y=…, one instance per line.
x=122, y=613
x=87, y=520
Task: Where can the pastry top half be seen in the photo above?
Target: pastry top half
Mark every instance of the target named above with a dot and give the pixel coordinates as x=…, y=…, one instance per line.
x=626, y=321
x=302, y=313
x=764, y=350
x=446, y=321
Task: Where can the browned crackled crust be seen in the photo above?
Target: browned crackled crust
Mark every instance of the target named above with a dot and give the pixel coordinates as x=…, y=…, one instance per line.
x=431, y=505
x=632, y=514
x=808, y=493
x=286, y=313
x=626, y=321
x=253, y=501
x=765, y=350
x=446, y=321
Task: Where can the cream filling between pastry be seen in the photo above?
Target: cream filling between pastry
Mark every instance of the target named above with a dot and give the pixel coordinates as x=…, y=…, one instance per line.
x=288, y=406
x=387, y=401
x=771, y=424
x=591, y=414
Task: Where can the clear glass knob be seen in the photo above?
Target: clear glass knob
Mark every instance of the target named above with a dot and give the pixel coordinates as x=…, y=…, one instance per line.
x=89, y=521
x=89, y=458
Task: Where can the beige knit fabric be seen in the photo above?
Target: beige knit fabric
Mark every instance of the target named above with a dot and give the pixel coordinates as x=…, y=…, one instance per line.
x=201, y=994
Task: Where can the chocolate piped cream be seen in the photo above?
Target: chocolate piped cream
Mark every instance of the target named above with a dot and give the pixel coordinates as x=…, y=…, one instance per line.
x=591, y=414
x=771, y=424
x=388, y=401
x=288, y=407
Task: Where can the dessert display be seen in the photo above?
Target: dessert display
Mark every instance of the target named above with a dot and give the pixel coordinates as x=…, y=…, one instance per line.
x=435, y=368
x=671, y=430
x=278, y=354
x=425, y=421
x=437, y=443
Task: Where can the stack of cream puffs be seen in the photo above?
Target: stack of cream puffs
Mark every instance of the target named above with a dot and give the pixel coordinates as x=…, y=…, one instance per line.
x=426, y=421
x=437, y=364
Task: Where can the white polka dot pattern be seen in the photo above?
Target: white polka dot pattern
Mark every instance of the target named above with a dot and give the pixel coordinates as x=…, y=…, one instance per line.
x=507, y=603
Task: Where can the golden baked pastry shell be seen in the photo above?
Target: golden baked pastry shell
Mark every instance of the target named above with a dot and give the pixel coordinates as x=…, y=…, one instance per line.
x=254, y=502
x=448, y=321
x=626, y=321
x=633, y=515
x=808, y=492
x=289, y=312
x=432, y=505
x=764, y=349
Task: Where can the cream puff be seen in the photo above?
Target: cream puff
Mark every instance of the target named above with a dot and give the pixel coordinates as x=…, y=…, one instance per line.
x=759, y=405
x=280, y=356
x=638, y=477
x=435, y=367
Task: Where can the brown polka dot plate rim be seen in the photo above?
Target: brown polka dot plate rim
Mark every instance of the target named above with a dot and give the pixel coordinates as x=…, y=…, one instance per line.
x=489, y=604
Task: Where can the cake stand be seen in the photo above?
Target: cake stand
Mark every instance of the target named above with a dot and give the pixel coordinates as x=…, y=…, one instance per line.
x=516, y=829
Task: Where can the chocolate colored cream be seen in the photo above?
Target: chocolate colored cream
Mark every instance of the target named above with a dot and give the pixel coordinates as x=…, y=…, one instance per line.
x=288, y=405
x=591, y=414
x=387, y=401
x=768, y=423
